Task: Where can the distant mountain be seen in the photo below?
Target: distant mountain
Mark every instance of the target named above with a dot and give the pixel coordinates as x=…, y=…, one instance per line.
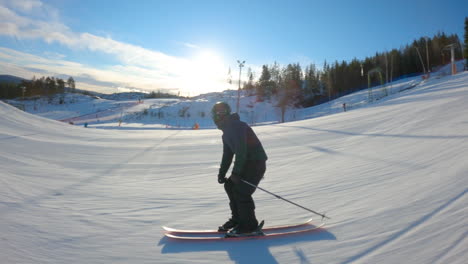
x=10, y=79
x=124, y=96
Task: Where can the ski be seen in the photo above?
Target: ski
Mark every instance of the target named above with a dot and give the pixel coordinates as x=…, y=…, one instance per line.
x=222, y=237
x=270, y=228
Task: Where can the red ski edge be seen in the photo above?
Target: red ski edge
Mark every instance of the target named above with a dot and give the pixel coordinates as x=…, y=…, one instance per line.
x=270, y=228
x=222, y=238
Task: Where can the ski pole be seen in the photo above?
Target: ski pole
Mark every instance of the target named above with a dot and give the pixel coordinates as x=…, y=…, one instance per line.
x=284, y=199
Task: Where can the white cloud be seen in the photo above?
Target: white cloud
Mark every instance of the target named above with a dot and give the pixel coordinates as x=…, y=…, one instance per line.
x=34, y=8
x=24, y=5
x=54, y=55
x=139, y=67
x=27, y=65
x=191, y=46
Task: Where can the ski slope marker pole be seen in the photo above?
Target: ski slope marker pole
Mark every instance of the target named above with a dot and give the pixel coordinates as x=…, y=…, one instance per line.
x=284, y=199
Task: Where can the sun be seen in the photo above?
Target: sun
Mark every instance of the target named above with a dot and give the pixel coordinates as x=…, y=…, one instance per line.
x=206, y=72
x=208, y=59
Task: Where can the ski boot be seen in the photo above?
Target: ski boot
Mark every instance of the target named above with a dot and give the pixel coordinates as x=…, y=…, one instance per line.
x=241, y=232
x=230, y=224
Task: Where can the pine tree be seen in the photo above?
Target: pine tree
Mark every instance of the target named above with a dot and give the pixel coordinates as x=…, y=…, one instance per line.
x=229, y=80
x=292, y=75
x=311, y=85
x=264, y=83
x=60, y=86
x=465, y=51
x=290, y=88
x=71, y=84
x=249, y=86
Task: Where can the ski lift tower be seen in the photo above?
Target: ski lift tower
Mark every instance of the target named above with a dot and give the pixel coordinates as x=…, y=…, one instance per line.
x=241, y=64
x=378, y=71
x=452, y=57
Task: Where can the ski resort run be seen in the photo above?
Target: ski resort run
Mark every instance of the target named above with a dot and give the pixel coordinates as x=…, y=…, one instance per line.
x=94, y=180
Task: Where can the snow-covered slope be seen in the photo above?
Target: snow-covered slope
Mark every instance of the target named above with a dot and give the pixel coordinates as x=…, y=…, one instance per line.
x=392, y=175
x=127, y=111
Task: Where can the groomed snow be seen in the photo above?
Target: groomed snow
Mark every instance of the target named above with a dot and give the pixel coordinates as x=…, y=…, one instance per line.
x=392, y=175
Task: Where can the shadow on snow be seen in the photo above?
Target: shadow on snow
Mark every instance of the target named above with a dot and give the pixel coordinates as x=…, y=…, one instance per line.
x=246, y=251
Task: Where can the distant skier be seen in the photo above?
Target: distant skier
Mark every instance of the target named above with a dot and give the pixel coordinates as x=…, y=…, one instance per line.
x=249, y=165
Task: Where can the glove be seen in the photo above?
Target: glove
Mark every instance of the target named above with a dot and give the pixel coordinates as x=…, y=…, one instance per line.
x=221, y=179
x=235, y=178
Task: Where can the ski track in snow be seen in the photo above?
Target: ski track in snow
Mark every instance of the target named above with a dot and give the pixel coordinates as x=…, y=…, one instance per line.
x=35, y=201
x=13, y=137
x=459, y=243
x=411, y=228
x=391, y=175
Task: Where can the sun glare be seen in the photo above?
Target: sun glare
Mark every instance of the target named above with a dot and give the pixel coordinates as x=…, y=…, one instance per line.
x=207, y=72
x=208, y=59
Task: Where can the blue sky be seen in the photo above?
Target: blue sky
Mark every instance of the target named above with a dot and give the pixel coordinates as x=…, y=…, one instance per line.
x=189, y=46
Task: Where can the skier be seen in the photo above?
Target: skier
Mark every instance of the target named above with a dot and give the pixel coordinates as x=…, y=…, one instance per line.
x=249, y=165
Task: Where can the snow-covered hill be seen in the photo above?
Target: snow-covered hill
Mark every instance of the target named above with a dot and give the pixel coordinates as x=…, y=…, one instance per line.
x=130, y=111
x=133, y=111
x=392, y=175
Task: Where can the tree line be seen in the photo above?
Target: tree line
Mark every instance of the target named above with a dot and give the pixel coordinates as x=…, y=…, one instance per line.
x=295, y=86
x=44, y=86
x=465, y=51
x=160, y=94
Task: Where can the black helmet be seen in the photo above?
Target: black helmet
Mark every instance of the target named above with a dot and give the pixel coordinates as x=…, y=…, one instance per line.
x=219, y=111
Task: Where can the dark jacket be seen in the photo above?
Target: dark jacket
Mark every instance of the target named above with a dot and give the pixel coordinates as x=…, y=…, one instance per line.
x=239, y=139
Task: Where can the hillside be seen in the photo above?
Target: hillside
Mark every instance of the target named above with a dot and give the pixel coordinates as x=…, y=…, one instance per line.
x=10, y=79
x=391, y=175
x=134, y=111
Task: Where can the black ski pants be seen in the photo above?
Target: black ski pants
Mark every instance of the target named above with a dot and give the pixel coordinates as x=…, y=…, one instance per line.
x=240, y=195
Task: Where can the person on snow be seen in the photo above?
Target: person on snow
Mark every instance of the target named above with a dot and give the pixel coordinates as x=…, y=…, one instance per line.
x=250, y=164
